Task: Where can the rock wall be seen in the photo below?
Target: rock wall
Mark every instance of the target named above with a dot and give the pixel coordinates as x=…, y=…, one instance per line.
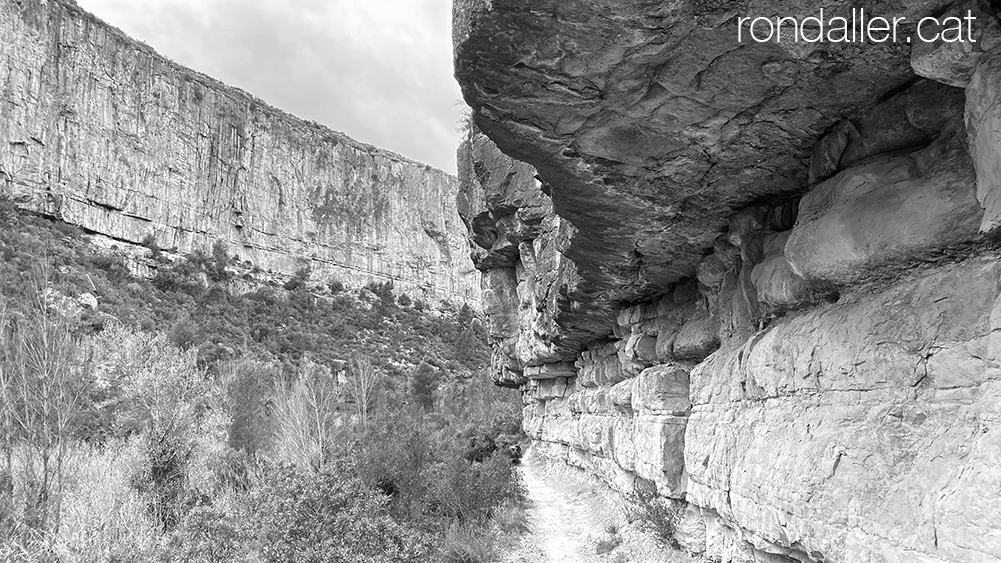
x=766, y=280
x=105, y=133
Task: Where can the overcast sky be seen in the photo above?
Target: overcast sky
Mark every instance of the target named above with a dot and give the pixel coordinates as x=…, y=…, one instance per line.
x=378, y=70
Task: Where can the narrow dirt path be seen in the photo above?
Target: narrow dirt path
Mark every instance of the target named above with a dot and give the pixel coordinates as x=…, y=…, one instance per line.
x=557, y=520
x=573, y=519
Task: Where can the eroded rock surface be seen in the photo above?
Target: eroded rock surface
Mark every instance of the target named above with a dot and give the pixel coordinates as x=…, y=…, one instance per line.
x=778, y=274
x=105, y=133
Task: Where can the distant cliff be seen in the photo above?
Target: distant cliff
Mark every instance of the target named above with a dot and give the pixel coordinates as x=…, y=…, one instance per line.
x=104, y=133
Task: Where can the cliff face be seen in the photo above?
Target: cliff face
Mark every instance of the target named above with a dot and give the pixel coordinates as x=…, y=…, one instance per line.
x=106, y=134
x=761, y=278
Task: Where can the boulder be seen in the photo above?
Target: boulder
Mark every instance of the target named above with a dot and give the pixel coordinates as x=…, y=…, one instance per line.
x=778, y=288
x=696, y=339
x=890, y=211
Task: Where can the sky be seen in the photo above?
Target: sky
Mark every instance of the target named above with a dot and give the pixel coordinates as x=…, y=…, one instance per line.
x=378, y=70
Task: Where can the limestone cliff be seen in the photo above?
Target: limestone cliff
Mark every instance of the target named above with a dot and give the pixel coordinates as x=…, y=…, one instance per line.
x=761, y=278
x=106, y=134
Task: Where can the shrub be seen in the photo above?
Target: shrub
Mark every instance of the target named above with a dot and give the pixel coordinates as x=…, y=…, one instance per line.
x=149, y=241
x=161, y=479
x=423, y=382
x=184, y=334
x=169, y=279
x=249, y=388
x=428, y=479
x=298, y=280
x=328, y=518
x=471, y=492
x=608, y=544
x=67, y=229
x=220, y=259
x=207, y=535
x=656, y=514
x=113, y=266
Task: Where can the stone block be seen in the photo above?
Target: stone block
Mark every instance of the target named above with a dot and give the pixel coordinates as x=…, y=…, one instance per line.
x=621, y=396
x=551, y=371
x=661, y=389
x=660, y=452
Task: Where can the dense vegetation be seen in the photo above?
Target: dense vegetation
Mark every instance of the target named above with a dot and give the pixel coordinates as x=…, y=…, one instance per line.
x=171, y=419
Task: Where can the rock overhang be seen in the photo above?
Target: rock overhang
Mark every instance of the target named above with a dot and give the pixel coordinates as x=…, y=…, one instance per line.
x=650, y=125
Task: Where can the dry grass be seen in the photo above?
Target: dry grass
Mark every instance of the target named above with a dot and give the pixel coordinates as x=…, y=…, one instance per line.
x=466, y=543
x=103, y=519
x=511, y=518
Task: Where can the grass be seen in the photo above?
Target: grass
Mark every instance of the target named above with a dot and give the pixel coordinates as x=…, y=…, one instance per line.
x=466, y=543
x=103, y=519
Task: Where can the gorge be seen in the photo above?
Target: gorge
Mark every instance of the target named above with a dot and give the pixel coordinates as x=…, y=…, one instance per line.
x=102, y=132
x=760, y=277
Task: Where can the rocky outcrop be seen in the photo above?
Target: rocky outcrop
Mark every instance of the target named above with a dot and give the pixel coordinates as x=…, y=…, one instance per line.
x=778, y=284
x=106, y=134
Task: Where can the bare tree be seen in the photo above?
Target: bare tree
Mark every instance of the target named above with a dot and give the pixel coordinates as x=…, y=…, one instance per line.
x=306, y=415
x=6, y=425
x=363, y=383
x=44, y=381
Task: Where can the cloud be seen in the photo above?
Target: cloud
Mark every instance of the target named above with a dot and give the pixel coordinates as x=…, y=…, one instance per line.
x=378, y=70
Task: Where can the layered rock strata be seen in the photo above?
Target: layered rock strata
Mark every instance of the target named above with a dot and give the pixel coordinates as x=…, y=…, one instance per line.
x=768, y=285
x=104, y=133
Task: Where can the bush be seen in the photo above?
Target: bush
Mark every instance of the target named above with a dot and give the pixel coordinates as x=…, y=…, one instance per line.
x=430, y=482
x=68, y=230
x=298, y=281
x=328, y=518
x=471, y=492
x=220, y=259
x=656, y=514
x=113, y=266
x=161, y=479
x=207, y=535
x=249, y=387
x=169, y=279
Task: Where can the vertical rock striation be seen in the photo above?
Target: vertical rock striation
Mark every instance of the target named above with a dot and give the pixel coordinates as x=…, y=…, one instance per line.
x=106, y=134
x=774, y=289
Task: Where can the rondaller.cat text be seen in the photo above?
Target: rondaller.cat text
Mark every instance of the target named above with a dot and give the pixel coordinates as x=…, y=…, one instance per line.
x=859, y=27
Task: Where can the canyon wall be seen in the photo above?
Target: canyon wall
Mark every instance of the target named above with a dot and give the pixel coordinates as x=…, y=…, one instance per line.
x=760, y=279
x=102, y=132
